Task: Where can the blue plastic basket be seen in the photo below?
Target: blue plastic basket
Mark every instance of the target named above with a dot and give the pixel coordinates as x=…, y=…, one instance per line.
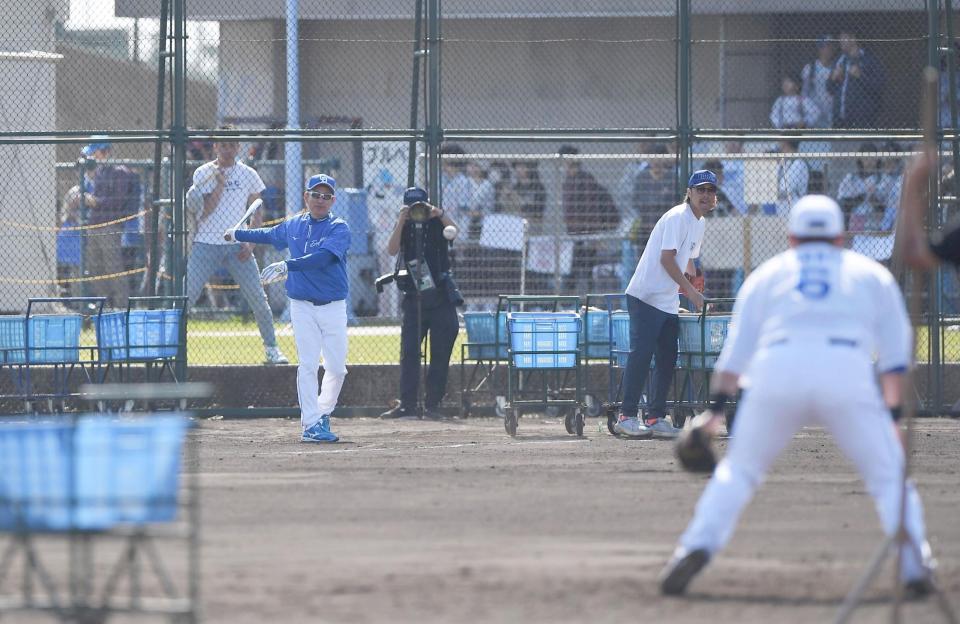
x=546, y=335
x=154, y=334
x=596, y=334
x=91, y=475
x=482, y=333
x=620, y=324
x=54, y=339
x=692, y=346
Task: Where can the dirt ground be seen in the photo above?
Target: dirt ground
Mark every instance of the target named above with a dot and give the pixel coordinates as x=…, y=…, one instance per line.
x=457, y=522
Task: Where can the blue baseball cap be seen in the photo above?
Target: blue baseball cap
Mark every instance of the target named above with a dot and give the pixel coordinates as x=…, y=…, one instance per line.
x=702, y=177
x=414, y=195
x=321, y=178
x=94, y=147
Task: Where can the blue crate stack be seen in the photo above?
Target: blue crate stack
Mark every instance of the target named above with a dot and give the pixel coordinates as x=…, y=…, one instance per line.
x=691, y=346
x=546, y=335
x=596, y=333
x=482, y=334
x=54, y=338
x=154, y=334
x=90, y=475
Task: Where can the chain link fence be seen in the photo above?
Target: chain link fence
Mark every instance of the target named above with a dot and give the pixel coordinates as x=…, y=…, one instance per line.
x=555, y=135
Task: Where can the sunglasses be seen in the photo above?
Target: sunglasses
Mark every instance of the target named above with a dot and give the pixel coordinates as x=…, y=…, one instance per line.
x=319, y=195
x=706, y=189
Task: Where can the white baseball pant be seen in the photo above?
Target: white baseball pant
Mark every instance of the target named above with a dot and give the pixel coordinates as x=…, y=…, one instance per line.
x=319, y=332
x=810, y=382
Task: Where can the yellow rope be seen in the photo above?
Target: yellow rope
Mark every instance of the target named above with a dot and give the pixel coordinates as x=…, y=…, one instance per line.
x=70, y=280
x=44, y=228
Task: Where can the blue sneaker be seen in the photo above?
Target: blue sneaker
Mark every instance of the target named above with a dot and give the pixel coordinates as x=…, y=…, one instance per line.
x=319, y=432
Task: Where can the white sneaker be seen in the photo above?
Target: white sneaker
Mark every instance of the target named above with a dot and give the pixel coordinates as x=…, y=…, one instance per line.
x=276, y=356
x=663, y=430
x=632, y=428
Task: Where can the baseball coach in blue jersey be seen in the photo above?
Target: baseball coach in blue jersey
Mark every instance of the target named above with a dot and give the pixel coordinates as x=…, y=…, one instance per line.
x=316, y=276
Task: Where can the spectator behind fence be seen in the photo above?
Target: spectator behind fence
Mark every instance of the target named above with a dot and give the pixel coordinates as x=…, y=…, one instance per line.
x=793, y=178
x=228, y=188
x=69, y=239
x=530, y=192
x=944, y=89
x=624, y=192
x=482, y=198
x=653, y=195
x=857, y=83
x=457, y=189
x=588, y=209
x=792, y=109
x=815, y=79
x=727, y=206
x=116, y=195
x=857, y=193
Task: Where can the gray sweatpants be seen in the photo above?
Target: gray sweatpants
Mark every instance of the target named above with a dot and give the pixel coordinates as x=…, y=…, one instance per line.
x=205, y=259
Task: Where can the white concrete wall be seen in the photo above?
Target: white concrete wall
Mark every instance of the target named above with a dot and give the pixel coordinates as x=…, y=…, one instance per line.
x=28, y=200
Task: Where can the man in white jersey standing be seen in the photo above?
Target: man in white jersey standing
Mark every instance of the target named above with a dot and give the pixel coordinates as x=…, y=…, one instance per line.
x=653, y=303
x=824, y=311
x=228, y=188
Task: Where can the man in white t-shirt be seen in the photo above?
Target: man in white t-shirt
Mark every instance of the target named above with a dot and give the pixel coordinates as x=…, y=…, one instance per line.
x=228, y=188
x=653, y=302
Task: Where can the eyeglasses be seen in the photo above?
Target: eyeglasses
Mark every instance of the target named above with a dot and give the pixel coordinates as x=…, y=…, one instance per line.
x=706, y=189
x=319, y=195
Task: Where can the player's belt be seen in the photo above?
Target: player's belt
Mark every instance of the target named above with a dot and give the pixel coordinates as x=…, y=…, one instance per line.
x=832, y=341
x=319, y=302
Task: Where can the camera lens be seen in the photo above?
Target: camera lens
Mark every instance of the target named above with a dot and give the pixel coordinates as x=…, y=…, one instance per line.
x=420, y=212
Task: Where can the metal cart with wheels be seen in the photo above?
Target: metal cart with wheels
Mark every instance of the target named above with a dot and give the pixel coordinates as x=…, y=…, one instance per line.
x=595, y=347
x=543, y=350
x=701, y=338
x=481, y=356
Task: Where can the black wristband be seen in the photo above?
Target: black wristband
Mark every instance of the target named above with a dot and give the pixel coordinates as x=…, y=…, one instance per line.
x=896, y=413
x=717, y=401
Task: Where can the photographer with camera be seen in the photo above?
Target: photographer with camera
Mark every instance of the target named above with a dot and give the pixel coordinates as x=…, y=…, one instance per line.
x=430, y=300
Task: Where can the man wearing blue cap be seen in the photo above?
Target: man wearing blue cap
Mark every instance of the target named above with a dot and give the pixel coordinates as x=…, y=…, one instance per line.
x=316, y=276
x=429, y=301
x=116, y=196
x=653, y=304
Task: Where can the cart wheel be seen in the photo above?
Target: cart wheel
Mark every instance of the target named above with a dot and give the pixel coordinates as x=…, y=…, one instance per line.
x=500, y=407
x=579, y=420
x=465, y=407
x=593, y=405
x=510, y=421
x=611, y=421
x=729, y=416
x=569, y=422
x=679, y=417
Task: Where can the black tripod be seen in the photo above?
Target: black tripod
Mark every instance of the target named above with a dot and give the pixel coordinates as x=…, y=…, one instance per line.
x=417, y=276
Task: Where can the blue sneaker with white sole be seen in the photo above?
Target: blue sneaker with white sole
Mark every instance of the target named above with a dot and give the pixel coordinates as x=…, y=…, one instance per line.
x=319, y=432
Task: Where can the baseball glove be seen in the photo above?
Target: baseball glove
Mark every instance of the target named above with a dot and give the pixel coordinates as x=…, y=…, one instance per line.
x=695, y=450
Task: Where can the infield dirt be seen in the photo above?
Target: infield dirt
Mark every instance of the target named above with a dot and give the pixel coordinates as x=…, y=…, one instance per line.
x=456, y=522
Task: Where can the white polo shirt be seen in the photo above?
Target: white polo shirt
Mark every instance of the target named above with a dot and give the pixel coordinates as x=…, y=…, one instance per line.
x=241, y=182
x=678, y=229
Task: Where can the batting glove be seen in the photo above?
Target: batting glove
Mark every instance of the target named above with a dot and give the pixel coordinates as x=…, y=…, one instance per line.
x=275, y=272
x=228, y=235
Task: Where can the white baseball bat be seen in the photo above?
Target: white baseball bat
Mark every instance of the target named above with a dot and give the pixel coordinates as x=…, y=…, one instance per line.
x=249, y=213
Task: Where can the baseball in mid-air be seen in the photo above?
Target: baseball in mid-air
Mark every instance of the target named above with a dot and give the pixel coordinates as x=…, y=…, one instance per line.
x=450, y=232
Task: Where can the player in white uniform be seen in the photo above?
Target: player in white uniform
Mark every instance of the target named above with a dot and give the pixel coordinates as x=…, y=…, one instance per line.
x=806, y=328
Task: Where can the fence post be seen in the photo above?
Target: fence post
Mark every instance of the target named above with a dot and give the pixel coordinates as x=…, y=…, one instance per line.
x=683, y=92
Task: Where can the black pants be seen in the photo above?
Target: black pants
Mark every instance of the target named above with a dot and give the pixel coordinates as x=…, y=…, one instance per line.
x=442, y=323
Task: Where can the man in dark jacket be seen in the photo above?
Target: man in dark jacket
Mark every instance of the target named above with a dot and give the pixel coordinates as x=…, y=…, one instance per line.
x=857, y=84
x=116, y=194
x=588, y=208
